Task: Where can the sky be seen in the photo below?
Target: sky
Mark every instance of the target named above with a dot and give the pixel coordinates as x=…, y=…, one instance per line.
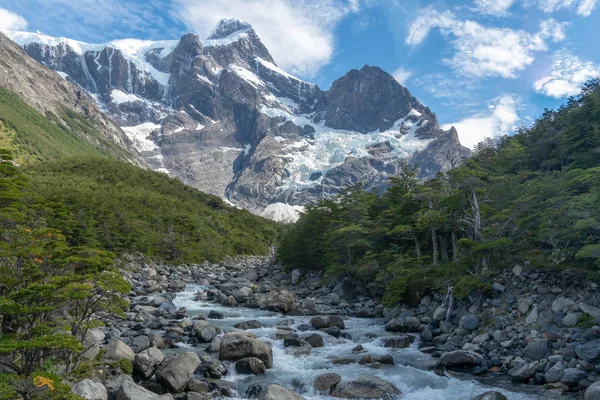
x=483, y=66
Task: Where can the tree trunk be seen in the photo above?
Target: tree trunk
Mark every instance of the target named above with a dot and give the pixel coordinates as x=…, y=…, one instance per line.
x=444, y=247
x=454, y=247
x=476, y=217
x=435, y=246
x=417, y=246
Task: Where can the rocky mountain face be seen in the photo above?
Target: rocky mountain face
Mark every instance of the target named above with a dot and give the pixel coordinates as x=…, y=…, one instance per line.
x=220, y=115
x=48, y=93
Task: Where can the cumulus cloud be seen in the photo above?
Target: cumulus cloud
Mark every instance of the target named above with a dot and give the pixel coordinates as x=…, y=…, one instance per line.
x=500, y=119
x=299, y=33
x=568, y=75
x=582, y=7
x=494, y=7
x=11, y=21
x=480, y=51
x=401, y=75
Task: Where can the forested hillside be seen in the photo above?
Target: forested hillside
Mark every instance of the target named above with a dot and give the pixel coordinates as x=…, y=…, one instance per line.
x=530, y=198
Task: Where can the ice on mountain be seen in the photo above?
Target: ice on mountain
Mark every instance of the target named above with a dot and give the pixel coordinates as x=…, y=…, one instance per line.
x=247, y=76
x=119, y=97
x=62, y=74
x=140, y=134
x=204, y=79
x=282, y=212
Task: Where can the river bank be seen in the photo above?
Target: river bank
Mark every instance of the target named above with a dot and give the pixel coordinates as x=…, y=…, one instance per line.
x=487, y=345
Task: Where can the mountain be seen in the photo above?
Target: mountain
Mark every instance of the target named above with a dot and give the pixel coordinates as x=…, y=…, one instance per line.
x=220, y=115
x=42, y=116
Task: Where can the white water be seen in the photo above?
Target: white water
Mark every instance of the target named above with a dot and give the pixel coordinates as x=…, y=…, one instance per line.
x=300, y=372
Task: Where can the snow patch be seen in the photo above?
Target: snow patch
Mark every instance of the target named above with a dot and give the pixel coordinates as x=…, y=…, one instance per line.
x=234, y=37
x=118, y=97
x=62, y=74
x=282, y=212
x=247, y=76
x=140, y=134
x=199, y=127
x=275, y=68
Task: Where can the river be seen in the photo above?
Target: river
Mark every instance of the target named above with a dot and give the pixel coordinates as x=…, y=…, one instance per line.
x=299, y=372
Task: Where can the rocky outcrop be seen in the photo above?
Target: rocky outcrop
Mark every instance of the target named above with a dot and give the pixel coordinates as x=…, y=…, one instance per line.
x=176, y=373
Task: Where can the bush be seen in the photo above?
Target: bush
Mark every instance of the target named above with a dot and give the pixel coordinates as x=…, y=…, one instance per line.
x=471, y=285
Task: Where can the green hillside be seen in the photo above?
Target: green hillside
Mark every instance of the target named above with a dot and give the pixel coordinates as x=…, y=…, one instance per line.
x=32, y=136
x=122, y=208
x=531, y=198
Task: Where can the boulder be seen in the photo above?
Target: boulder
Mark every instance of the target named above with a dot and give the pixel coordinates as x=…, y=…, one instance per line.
x=315, y=340
x=253, y=324
x=117, y=350
x=215, y=315
x=570, y=320
x=562, y=304
x=532, y=317
x=177, y=286
x=524, y=372
x=458, y=359
x=396, y=342
x=409, y=324
x=327, y=382
x=206, y=334
x=146, y=361
x=282, y=301
x=131, y=391
x=276, y=392
x=242, y=295
x=592, y=392
x=440, y=313
x=491, y=396
x=590, y=310
x=240, y=344
x=589, y=351
x=90, y=390
x=469, y=322
x=365, y=387
x=114, y=384
x=296, y=275
x=572, y=376
x=177, y=372
x=211, y=368
x=555, y=373
x=537, y=350
x=333, y=321
x=250, y=366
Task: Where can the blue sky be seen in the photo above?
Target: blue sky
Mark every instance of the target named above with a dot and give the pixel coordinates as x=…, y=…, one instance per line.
x=485, y=66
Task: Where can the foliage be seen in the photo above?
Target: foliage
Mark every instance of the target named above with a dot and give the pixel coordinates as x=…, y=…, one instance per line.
x=35, y=137
x=531, y=197
x=121, y=208
x=471, y=285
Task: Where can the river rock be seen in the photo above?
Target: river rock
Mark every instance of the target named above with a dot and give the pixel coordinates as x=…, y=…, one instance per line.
x=206, y=334
x=215, y=315
x=589, y=351
x=328, y=322
x=524, y=372
x=458, y=359
x=253, y=324
x=491, y=396
x=176, y=373
x=440, y=313
x=562, y=304
x=590, y=310
x=177, y=286
x=537, y=350
x=592, y=392
x=131, y=391
x=570, y=320
x=396, y=342
x=90, y=390
x=409, y=324
x=555, y=373
x=276, y=392
x=572, y=376
x=250, y=365
x=282, y=301
x=242, y=295
x=469, y=322
x=211, y=368
x=366, y=387
x=238, y=345
x=292, y=340
x=532, y=317
x=146, y=361
x=327, y=382
x=114, y=384
x=117, y=350
x=315, y=340
x=296, y=275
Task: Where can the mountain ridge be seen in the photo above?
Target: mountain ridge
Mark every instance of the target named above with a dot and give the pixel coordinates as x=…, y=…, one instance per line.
x=220, y=115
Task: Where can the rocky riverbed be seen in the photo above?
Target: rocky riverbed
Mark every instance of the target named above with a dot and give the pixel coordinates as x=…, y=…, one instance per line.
x=247, y=329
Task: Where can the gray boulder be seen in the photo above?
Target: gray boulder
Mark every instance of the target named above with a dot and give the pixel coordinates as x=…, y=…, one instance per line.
x=592, y=392
x=523, y=373
x=114, y=384
x=396, y=342
x=250, y=366
x=206, y=334
x=366, y=387
x=176, y=373
x=131, y=391
x=409, y=324
x=146, y=361
x=253, y=324
x=469, y=322
x=242, y=295
x=555, y=373
x=315, y=340
x=458, y=359
x=589, y=351
x=327, y=382
x=240, y=344
x=282, y=301
x=537, y=350
x=572, y=376
x=491, y=396
x=562, y=304
x=590, y=310
x=90, y=390
x=276, y=392
x=117, y=350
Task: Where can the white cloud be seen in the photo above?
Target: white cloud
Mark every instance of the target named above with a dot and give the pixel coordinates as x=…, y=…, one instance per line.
x=11, y=21
x=299, y=34
x=582, y=7
x=568, y=75
x=481, y=51
x=494, y=7
x=499, y=120
x=401, y=75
